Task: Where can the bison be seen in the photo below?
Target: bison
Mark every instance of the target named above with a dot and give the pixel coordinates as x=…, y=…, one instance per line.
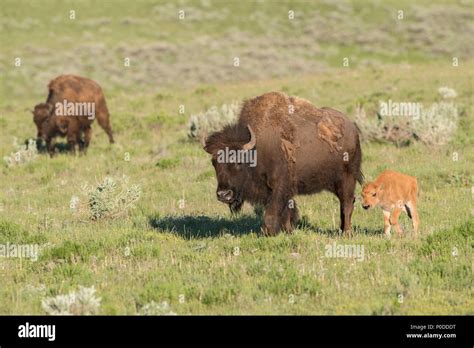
x=67, y=112
x=394, y=193
x=298, y=149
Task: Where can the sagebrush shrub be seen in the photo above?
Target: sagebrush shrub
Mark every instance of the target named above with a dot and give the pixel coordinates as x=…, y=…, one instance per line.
x=213, y=119
x=81, y=302
x=109, y=199
x=436, y=125
x=23, y=153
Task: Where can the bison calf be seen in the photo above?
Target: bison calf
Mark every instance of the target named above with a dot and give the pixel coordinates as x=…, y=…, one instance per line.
x=283, y=146
x=72, y=105
x=394, y=193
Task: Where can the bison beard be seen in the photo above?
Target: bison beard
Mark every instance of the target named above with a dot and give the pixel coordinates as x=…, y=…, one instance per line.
x=301, y=149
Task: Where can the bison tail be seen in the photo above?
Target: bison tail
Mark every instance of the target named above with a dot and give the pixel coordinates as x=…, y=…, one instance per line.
x=358, y=160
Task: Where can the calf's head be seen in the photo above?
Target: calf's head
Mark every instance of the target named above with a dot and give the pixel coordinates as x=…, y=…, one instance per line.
x=371, y=195
x=234, y=158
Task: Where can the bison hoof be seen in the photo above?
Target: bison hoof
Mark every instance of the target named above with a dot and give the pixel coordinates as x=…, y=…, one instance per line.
x=268, y=232
x=348, y=233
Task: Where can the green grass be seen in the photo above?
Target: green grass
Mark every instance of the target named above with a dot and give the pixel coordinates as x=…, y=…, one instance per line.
x=222, y=264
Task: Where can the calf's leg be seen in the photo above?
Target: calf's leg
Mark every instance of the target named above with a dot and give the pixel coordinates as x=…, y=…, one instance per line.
x=386, y=223
x=414, y=216
x=394, y=220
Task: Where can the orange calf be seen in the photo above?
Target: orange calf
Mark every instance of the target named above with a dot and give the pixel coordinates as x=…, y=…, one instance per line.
x=394, y=192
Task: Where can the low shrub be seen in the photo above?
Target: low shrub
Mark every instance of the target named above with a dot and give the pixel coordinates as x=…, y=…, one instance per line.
x=109, y=199
x=436, y=125
x=81, y=302
x=23, y=154
x=212, y=120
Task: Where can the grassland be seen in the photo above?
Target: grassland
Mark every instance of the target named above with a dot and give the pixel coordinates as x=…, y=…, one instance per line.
x=221, y=264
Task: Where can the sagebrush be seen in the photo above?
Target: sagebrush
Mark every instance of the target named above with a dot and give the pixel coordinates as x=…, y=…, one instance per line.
x=213, y=119
x=23, y=153
x=80, y=302
x=436, y=125
x=110, y=198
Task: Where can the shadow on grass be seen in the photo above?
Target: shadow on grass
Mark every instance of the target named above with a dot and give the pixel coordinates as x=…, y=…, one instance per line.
x=304, y=224
x=356, y=231
x=58, y=147
x=192, y=227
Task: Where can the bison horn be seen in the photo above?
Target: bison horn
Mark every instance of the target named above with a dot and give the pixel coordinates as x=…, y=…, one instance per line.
x=251, y=144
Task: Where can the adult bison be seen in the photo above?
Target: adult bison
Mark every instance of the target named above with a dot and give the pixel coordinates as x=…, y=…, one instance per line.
x=297, y=149
x=72, y=105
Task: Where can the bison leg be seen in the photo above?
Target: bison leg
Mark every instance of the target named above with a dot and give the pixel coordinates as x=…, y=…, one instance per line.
x=291, y=218
x=295, y=217
x=72, y=146
x=72, y=140
x=277, y=213
x=104, y=122
x=394, y=220
x=286, y=222
x=386, y=223
x=81, y=144
x=50, y=146
x=271, y=224
x=414, y=215
x=110, y=135
x=87, y=139
x=272, y=217
x=346, y=197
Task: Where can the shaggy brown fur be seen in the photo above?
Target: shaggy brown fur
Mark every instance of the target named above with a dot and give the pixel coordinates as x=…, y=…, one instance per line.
x=301, y=149
x=73, y=89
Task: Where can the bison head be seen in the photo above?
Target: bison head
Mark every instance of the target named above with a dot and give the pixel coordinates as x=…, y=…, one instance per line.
x=371, y=195
x=234, y=159
x=41, y=114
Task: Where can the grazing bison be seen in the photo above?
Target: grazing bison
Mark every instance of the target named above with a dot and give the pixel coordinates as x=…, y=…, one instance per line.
x=282, y=146
x=72, y=104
